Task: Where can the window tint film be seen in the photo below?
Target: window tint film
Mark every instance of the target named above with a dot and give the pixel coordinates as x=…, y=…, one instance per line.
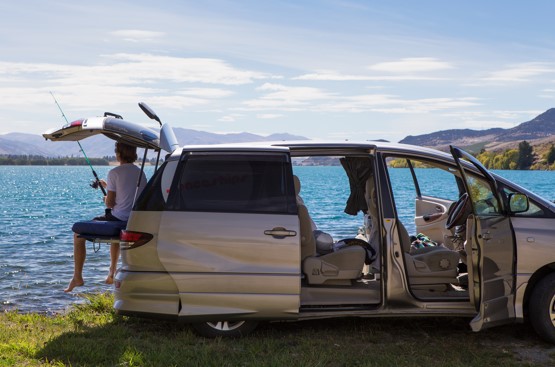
x=152, y=198
x=244, y=183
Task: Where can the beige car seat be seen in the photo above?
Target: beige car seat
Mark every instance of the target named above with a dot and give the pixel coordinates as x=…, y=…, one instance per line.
x=428, y=265
x=335, y=268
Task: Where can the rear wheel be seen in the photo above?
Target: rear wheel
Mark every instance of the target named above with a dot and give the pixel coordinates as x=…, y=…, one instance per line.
x=542, y=308
x=229, y=329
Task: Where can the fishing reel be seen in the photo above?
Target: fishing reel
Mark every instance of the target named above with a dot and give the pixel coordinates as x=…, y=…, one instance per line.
x=95, y=184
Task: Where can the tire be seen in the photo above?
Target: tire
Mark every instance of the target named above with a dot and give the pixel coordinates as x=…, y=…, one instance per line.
x=225, y=329
x=542, y=308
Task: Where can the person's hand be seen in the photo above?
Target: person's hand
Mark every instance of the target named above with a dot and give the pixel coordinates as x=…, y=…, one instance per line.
x=103, y=183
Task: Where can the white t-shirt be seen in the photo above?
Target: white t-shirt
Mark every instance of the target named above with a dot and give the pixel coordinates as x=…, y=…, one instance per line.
x=123, y=181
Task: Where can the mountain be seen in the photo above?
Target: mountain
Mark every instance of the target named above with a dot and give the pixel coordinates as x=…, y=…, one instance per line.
x=99, y=146
x=539, y=130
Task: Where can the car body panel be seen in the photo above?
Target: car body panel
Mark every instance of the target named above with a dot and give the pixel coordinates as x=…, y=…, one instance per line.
x=116, y=129
x=492, y=258
x=240, y=268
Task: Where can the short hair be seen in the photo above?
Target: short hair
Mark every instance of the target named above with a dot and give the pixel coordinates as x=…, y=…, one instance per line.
x=127, y=153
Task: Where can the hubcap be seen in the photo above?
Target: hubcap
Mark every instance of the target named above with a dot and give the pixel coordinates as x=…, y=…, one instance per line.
x=552, y=310
x=225, y=325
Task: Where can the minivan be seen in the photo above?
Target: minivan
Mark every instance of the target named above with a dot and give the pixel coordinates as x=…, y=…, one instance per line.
x=222, y=239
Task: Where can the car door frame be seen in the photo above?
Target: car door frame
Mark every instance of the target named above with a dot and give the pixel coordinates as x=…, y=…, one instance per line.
x=492, y=254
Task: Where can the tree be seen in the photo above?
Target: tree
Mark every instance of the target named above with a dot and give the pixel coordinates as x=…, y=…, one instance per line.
x=525, y=155
x=550, y=156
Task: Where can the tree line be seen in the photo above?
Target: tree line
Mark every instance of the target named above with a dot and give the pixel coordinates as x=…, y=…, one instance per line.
x=39, y=160
x=523, y=158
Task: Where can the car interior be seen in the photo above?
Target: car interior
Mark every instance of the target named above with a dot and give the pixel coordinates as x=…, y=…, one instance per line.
x=434, y=261
x=434, y=255
x=344, y=272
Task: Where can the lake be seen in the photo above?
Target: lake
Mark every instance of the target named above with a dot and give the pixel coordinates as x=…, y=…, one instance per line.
x=39, y=205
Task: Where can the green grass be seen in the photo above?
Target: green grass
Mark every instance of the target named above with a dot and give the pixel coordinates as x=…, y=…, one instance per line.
x=92, y=335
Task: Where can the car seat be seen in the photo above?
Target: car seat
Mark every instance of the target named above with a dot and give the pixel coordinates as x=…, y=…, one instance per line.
x=335, y=268
x=428, y=265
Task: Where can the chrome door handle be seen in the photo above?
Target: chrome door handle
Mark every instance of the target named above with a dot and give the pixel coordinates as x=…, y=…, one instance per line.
x=280, y=232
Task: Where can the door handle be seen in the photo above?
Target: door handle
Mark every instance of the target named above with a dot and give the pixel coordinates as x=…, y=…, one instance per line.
x=280, y=232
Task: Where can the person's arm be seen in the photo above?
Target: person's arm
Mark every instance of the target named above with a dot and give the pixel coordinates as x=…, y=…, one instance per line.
x=110, y=199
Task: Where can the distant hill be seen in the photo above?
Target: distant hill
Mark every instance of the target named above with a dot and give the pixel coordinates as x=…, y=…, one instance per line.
x=538, y=131
x=100, y=146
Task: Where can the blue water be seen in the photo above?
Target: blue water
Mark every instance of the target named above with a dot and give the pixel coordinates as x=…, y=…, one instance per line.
x=39, y=205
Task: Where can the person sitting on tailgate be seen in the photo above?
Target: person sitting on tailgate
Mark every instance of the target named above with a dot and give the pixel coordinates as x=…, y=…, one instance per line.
x=121, y=185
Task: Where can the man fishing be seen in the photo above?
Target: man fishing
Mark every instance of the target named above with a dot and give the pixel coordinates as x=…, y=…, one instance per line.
x=121, y=186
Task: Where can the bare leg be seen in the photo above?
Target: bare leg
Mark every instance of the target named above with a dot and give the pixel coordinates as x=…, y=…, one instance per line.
x=79, y=255
x=114, y=257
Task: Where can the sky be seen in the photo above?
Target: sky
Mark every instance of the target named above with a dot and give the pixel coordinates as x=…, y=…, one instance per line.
x=328, y=69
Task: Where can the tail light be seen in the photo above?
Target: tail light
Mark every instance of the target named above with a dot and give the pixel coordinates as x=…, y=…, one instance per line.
x=74, y=123
x=130, y=239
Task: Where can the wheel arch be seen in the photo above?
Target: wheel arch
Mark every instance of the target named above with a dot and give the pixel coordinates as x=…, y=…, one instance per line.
x=532, y=282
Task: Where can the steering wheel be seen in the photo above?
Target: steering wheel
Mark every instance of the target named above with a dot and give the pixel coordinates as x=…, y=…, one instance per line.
x=458, y=212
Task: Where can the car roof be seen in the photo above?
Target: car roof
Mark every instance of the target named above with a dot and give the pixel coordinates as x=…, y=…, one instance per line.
x=308, y=147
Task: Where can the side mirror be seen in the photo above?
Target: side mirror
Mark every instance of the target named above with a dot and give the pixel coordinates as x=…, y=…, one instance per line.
x=149, y=112
x=518, y=203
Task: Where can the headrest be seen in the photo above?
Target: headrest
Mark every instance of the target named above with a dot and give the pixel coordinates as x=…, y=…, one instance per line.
x=324, y=242
x=297, y=184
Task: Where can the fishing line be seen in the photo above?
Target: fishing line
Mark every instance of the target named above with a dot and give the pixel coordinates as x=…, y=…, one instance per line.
x=97, y=180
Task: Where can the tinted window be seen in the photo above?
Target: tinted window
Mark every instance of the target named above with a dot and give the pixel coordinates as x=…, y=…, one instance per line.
x=155, y=194
x=246, y=183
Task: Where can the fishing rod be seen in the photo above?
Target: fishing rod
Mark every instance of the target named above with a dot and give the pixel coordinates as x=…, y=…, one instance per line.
x=96, y=183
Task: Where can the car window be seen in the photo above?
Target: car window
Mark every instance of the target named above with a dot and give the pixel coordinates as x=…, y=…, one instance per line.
x=243, y=183
x=483, y=199
x=155, y=193
x=433, y=180
x=436, y=182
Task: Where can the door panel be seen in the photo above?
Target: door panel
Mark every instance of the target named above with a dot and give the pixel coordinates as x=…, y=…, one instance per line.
x=232, y=268
x=493, y=247
x=431, y=215
x=493, y=258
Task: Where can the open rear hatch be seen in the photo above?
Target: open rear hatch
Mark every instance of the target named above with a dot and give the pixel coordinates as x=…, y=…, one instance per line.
x=115, y=127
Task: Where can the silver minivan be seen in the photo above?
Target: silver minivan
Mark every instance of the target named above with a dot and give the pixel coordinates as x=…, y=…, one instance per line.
x=222, y=239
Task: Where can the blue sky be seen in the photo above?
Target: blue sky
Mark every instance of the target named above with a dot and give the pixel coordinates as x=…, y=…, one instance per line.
x=326, y=69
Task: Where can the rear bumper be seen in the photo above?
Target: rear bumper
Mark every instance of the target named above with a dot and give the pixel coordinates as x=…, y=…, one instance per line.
x=146, y=294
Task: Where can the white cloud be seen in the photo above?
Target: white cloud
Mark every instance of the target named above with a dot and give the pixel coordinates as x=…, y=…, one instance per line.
x=329, y=75
x=284, y=97
x=231, y=117
x=206, y=92
x=412, y=65
x=396, y=105
x=521, y=72
x=268, y=116
x=120, y=79
x=136, y=35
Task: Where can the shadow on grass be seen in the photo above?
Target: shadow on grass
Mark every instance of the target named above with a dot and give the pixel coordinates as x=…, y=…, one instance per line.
x=348, y=342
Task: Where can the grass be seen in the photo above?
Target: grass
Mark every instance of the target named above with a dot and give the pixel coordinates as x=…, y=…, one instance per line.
x=92, y=335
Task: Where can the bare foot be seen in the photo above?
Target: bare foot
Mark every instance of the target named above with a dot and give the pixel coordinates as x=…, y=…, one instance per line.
x=74, y=283
x=110, y=279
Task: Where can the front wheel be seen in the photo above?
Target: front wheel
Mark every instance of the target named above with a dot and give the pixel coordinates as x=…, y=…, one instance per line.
x=542, y=308
x=227, y=329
